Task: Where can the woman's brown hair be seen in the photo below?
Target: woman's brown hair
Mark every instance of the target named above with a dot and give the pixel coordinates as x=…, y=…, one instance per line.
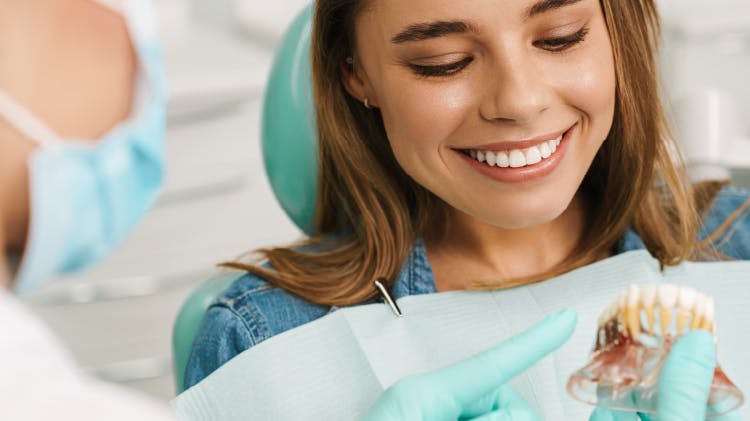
x=368, y=216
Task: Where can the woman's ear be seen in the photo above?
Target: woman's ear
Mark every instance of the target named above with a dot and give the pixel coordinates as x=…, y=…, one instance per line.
x=357, y=84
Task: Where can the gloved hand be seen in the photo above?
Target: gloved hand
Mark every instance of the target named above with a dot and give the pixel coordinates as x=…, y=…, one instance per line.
x=684, y=385
x=475, y=388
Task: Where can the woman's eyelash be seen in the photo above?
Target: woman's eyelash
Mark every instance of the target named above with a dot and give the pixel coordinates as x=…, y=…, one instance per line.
x=441, y=70
x=562, y=44
x=553, y=44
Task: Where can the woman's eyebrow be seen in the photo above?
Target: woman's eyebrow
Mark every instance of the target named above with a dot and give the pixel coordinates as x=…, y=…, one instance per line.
x=428, y=30
x=547, y=5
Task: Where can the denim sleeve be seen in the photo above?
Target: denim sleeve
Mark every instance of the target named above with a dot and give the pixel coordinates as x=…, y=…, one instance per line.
x=223, y=335
x=728, y=223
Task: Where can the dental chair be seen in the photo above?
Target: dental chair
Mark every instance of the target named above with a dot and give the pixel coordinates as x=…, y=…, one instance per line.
x=289, y=153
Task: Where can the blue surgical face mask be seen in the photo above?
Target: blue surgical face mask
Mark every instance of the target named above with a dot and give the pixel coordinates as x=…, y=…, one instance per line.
x=86, y=196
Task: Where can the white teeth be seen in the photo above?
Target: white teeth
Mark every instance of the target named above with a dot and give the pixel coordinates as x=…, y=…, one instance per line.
x=667, y=295
x=648, y=298
x=545, y=150
x=634, y=296
x=698, y=311
x=632, y=315
x=689, y=309
x=516, y=159
x=648, y=295
x=489, y=157
x=622, y=300
x=708, y=317
x=685, y=302
x=686, y=299
x=533, y=156
x=502, y=160
x=709, y=309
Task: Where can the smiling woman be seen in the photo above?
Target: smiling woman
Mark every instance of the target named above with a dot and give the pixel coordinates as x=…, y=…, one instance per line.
x=515, y=140
x=476, y=144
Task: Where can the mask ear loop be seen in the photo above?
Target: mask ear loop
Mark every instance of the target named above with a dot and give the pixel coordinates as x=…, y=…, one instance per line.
x=25, y=122
x=114, y=5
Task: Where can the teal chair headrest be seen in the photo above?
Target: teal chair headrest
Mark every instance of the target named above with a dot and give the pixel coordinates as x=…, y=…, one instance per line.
x=289, y=144
x=289, y=136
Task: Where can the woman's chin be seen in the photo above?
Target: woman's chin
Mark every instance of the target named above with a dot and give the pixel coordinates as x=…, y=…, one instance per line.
x=523, y=217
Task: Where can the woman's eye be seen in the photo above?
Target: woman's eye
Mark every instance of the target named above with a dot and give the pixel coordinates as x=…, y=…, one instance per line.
x=561, y=44
x=441, y=70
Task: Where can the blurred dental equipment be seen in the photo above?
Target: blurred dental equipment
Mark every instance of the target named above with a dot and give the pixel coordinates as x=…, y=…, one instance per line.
x=264, y=19
x=712, y=134
x=705, y=64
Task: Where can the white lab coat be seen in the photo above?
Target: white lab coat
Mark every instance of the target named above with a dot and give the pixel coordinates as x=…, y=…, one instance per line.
x=40, y=381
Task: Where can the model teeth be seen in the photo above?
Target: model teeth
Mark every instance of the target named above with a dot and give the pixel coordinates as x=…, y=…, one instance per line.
x=699, y=311
x=685, y=302
x=708, y=318
x=688, y=308
x=667, y=297
x=632, y=312
x=648, y=299
x=517, y=158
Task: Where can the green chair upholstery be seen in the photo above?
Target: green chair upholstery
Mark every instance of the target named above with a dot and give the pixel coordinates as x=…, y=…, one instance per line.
x=289, y=152
x=289, y=135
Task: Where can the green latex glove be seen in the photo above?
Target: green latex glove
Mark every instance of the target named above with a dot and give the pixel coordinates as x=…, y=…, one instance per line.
x=684, y=385
x=476, y=387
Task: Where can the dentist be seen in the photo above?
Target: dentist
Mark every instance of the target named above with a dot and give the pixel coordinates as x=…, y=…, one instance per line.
x=82, y=118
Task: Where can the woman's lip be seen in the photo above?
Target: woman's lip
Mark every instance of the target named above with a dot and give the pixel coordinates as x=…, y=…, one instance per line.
x=517, y=144
x=527, y=173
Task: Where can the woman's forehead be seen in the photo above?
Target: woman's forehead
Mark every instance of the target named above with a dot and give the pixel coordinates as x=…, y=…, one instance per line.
x=394, y=16
x=524, y=9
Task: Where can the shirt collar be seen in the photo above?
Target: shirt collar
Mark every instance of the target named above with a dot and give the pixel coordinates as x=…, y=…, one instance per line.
x=416, y=277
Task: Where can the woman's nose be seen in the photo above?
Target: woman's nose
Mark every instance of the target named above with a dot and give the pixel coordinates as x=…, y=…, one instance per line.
x=515, y=91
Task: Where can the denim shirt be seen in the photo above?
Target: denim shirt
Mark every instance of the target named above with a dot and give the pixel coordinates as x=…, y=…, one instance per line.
x=251, y=310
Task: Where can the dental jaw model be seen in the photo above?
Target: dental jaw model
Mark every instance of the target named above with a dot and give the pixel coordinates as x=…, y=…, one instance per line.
x=634, y=336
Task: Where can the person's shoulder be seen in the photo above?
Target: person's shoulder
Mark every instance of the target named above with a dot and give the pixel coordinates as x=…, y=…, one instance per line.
x=726, y=226
x=249, y=311
x=266, y=309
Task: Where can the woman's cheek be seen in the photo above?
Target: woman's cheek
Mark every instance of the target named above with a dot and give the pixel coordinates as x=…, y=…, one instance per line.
x=435, y=111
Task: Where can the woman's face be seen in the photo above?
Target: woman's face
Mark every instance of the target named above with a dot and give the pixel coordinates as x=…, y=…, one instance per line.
x=496, y=106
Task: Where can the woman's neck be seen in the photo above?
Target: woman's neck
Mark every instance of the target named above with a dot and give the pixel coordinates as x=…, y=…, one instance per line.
x=472, y=251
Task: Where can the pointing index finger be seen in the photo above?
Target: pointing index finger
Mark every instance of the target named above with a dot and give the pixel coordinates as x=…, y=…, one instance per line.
x=485, y=372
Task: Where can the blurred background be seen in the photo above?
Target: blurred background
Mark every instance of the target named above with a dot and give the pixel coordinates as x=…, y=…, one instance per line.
x=217, y=204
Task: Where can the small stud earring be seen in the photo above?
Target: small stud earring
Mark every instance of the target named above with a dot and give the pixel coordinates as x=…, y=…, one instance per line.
x=367, y=103
x=350, y=60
